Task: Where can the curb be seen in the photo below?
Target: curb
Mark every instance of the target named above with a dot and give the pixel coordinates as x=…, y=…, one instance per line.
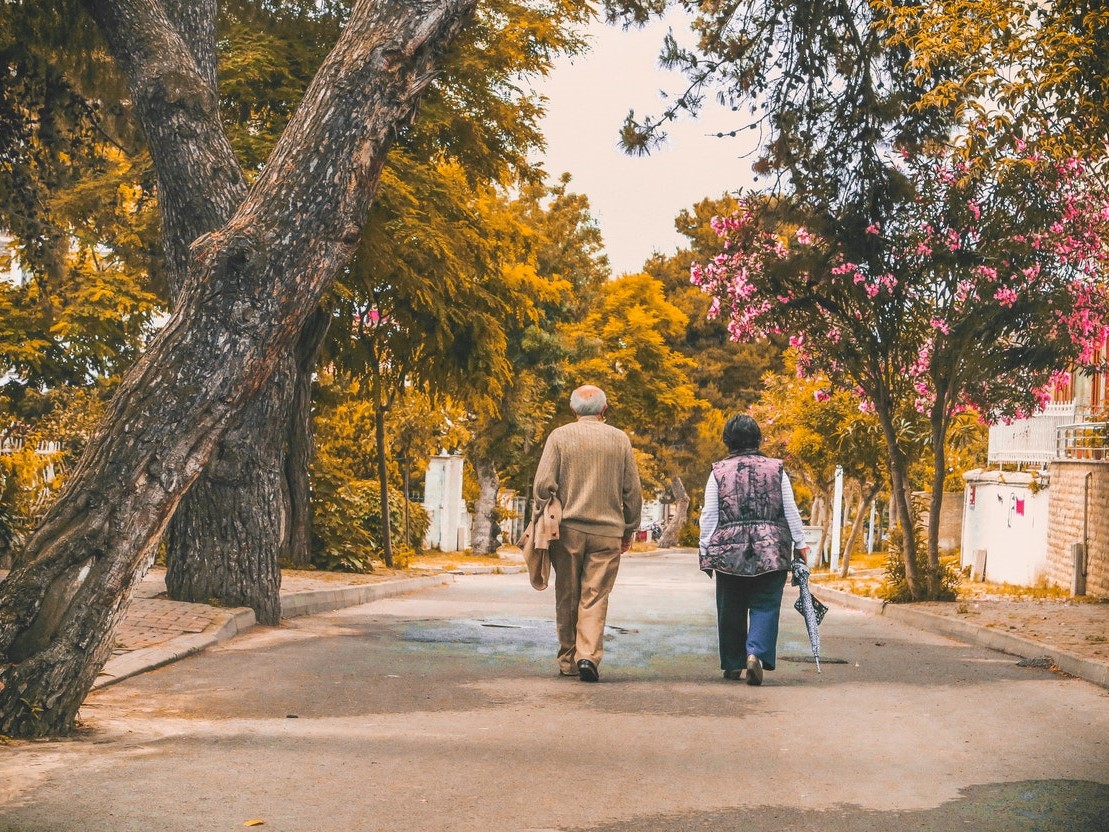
x=1088, y=669
x=230, y=623
x=237, y=620
x=313, y=601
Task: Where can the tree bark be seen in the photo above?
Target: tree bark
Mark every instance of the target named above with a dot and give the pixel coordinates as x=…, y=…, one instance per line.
x=250, y=510
x=226, y=538
x=380, y=407
x=484, y=542
x=899, y=497
x=671, y=532
x=939, y=475
x=234, y=524
x=301, y=445
x=866, y=497
x=248, y=292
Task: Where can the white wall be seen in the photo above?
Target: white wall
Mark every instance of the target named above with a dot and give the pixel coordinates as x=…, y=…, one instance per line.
x=1005, y=514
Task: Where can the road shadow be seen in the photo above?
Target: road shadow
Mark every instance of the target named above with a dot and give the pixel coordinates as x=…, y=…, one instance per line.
x=1027, y=806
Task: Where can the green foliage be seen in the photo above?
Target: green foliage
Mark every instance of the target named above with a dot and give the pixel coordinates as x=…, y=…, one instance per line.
x=30, y=481
x=827, y=95
x=690, y=535
x=347, y=526
x=942, y=580
x=1028, y=70
x=815, y=427
x=727, y=373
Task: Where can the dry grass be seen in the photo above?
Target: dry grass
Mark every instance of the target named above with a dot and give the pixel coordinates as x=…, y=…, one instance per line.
x=453, y=560
x=867, y=574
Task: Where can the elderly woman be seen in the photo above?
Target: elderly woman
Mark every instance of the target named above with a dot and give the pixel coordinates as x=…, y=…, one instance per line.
x=750, y=527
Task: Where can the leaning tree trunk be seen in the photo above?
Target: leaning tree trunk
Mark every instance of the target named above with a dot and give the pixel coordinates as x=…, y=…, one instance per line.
x=249, y=290
x=671, y=533
x=249, y=510
x=484, y=541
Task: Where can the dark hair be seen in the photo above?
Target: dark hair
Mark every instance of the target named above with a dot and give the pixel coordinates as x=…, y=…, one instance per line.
x=741, y=433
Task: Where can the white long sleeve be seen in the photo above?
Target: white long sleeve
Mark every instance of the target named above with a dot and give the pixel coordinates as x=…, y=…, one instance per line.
x=793, y=516
x=710, y=512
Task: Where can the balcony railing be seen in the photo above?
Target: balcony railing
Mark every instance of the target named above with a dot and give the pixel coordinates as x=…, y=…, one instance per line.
x=1083, y=440
x=1032, y=441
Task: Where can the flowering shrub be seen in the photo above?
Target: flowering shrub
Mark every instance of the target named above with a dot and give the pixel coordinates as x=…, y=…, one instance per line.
x=975, y=291
x=978, y=291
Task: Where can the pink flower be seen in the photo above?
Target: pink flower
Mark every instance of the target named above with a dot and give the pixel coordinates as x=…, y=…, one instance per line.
x=1005, y=296
x=804, y=237
x=874, y=228
x=797, y=340
x=821, y=395
x=941, y=326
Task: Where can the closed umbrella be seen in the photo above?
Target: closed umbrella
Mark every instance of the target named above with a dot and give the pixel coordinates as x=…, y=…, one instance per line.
x=811, y=609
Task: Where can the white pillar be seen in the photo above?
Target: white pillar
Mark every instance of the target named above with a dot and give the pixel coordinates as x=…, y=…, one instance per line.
x=443, y=501
x=870, y=531
x=837, y=517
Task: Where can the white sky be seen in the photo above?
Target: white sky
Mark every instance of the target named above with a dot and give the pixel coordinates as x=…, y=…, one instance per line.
x=635, y=199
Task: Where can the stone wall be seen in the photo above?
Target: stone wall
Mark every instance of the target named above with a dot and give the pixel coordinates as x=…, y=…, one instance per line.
x=1066, y=512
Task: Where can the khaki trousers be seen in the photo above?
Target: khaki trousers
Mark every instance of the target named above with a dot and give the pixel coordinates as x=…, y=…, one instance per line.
x=585, y=567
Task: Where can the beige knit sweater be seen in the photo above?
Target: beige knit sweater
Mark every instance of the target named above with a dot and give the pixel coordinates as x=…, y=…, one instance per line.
x=590, y=466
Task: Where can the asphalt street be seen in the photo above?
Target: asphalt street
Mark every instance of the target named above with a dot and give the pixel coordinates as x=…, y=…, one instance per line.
x=443, y=711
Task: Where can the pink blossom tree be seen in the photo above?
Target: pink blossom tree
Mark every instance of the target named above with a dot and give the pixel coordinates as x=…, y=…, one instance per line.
x=974, y=291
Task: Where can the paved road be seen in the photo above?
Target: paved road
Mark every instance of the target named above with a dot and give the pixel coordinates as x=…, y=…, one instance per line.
x=442, y=712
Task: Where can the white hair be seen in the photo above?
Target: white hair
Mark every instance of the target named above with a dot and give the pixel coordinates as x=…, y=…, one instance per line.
x=588, y=400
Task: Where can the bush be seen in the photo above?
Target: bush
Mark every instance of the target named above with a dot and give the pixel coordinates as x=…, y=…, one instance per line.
x=945, y=580
x=690, y=535
x=347, y=524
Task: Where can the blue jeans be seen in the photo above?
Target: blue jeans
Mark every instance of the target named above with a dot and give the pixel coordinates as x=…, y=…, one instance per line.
x=747, y=617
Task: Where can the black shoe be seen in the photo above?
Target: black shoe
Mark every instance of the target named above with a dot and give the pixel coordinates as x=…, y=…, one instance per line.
x=754, y=670
x=734, y=675
x=587, y=671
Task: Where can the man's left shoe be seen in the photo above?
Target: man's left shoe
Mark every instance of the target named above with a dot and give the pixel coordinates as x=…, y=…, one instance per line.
x=587, y=671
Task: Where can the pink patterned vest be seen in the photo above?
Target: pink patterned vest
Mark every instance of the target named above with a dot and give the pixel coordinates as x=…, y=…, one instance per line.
x=752, y=536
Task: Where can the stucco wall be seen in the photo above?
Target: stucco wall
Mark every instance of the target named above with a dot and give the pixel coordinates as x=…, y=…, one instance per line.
x=1067, y=511
x=1006, y=513
x=951, y=518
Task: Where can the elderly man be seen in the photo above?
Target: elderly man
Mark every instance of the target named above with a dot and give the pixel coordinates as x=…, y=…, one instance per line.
x=590, y=467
